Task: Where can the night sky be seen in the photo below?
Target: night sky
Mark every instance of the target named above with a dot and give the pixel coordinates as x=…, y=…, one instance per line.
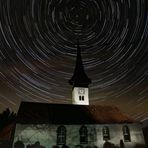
x=38, y=51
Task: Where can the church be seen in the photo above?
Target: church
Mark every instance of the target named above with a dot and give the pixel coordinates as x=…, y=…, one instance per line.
x=76, y=125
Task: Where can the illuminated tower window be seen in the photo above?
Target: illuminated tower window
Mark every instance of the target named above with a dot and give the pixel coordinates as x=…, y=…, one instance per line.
x=81, y=98
x=106, y=134
x=83, y=135
x=126, y=134
x=61, y=135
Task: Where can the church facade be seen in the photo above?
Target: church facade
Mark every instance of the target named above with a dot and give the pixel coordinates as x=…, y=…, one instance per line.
x=79, y=136
x=76, y=125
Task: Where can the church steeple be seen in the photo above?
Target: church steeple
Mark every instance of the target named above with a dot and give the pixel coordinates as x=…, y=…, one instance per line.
x=80, y=82
x=79, y=78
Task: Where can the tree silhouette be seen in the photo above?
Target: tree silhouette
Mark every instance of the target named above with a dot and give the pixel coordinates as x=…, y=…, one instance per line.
x=6, y=117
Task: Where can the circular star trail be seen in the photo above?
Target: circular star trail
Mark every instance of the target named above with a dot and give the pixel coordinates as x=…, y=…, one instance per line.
x=38, y=52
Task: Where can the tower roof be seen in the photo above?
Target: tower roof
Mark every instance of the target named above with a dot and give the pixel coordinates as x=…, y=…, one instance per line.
x=79, y=78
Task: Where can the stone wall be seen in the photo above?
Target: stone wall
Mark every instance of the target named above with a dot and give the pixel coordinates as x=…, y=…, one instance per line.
x=46, y=135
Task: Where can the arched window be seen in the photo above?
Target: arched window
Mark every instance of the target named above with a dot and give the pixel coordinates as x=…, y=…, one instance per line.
x=106, y=134
x=83, y=135
x=61, y=135
x=126, y=133
x=92, y=136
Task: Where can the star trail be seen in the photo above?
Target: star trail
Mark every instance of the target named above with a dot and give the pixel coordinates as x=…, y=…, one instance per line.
x=38, y=51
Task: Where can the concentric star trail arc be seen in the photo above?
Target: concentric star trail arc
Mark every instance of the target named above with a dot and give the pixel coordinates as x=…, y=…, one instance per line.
x=38, y=51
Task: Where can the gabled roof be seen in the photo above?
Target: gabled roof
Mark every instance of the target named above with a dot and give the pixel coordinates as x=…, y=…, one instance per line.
x=79, y=78
x=40, y=113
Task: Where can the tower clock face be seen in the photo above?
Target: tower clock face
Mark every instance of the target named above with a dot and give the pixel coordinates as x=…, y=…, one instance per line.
x=81, y=91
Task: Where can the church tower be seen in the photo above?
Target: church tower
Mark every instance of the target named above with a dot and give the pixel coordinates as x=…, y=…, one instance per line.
x=80, y=82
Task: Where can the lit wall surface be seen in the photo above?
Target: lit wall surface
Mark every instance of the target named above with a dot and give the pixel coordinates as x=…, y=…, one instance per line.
x=46, y=135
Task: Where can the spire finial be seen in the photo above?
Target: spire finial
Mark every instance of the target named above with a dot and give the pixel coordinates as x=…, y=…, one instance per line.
x=78, y=50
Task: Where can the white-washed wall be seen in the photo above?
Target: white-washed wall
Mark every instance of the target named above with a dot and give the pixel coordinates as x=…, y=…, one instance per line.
x=47, y=134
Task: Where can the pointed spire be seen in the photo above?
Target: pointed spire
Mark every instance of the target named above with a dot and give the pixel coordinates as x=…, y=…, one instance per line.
x=79, y=78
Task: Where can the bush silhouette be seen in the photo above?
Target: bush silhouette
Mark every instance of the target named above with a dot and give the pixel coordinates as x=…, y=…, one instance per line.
x=19, y=144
